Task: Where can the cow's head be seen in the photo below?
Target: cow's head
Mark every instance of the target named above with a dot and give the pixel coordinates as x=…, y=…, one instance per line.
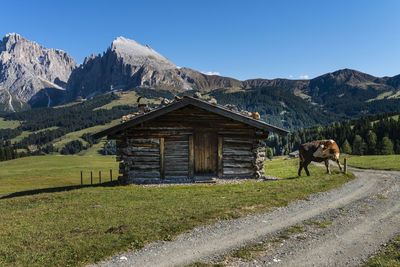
x=328, y=144
x=322, y=150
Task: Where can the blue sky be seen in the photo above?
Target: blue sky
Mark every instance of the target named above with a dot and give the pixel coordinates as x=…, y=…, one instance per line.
x=240, y=39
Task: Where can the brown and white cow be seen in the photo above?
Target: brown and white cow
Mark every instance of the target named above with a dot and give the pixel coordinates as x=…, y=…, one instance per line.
x=318, y=151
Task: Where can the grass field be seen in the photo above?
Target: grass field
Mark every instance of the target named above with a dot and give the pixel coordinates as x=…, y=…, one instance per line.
x=41, y=172
x=26, y=133
x=93, y=150
x=378, y=162
x=395, y=117
x=80, y=225
x=381, y=96
x=126, y=98
x=60, y=142
x=8, y=124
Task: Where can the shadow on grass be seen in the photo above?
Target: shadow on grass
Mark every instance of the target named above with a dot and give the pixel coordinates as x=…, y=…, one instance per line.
x=57, y=189
x=291, y=178
x=282, y=179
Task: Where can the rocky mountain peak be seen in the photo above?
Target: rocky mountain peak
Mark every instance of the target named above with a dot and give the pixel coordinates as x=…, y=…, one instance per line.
x=9, y=39
x=128, y=64
x=134, y=53
x=30, y=73
x=27, y=68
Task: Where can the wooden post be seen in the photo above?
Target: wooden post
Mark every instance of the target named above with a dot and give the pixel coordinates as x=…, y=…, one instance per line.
x=220, y=158
x=91, y=177
x=345, y=165
x=110, y=175
x=99, y=177
x=81, y=178
x=162, y=162
x=191, y=157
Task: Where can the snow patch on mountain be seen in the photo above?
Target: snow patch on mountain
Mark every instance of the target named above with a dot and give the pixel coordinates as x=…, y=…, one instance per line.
x=48, y=98
x=10, y=102
x=47, y=83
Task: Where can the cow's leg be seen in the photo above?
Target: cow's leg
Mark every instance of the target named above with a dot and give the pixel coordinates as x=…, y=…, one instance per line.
x=300, y=167
x=305, y=165
x=327, y=166
x=338, y=163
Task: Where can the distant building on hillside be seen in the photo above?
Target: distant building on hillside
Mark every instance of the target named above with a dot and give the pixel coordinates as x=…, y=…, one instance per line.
x=294, y=154
x=188, y=140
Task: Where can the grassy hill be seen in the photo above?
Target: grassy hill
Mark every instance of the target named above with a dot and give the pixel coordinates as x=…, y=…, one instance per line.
x=8, y=124
x=50, y=129
x=276, y=106
x=57, y=126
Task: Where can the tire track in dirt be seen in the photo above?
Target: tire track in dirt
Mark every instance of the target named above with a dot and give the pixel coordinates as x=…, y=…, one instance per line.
x=357, y=231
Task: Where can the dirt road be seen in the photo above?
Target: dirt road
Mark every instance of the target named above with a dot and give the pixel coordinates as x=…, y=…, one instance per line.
x=360, y=217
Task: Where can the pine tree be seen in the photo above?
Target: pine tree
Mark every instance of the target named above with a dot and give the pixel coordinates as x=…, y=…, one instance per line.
x=269, y=153
x=397, y=147
x=371, y=141
x=109, y=148
x=346, y=148
x=358, y=145
x=8, y=152
x=2, y=154
x=387, y=146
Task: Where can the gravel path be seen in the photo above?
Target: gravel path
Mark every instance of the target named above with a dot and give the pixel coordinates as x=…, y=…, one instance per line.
x=364, y=214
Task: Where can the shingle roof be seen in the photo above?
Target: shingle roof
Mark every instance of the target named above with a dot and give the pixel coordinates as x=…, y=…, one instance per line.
x=185, y=101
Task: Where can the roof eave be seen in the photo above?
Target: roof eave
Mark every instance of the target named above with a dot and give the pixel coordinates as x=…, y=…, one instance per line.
x=195, y=102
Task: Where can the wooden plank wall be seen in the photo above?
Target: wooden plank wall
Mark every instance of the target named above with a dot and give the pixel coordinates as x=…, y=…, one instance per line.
x=140, y=160
x=237, y=158
x=176, y=153
x=158, y=151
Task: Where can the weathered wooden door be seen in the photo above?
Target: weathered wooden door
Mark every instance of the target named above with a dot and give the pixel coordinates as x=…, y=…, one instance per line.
x=205, y=153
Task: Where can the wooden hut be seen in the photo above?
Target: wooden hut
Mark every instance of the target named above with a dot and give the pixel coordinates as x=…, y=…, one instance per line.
x=189, y=140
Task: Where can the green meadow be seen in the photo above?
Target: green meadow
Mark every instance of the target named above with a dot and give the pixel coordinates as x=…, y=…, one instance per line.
x=381, y=162
x=47, y=219
x=52, y=171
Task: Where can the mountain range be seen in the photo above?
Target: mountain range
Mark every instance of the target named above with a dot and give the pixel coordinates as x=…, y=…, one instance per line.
x=27, y=68
x=34, y=76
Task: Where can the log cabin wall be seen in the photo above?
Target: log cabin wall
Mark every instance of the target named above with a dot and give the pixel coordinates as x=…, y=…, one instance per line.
x=166, y=149
x=140, y=160
x=259, y=157
x=237, y=158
